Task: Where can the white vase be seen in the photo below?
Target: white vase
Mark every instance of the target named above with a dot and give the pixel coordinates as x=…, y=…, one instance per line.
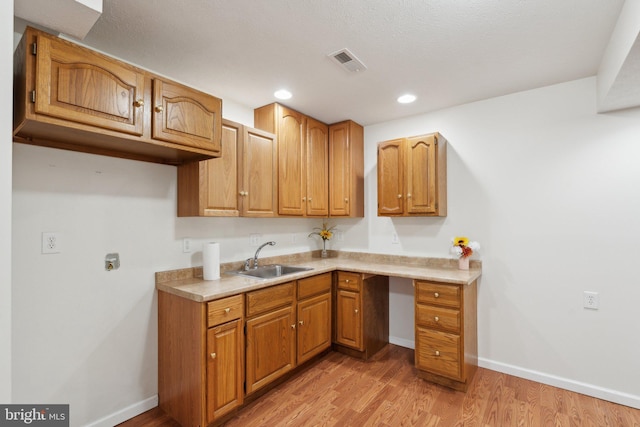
x=463, y=263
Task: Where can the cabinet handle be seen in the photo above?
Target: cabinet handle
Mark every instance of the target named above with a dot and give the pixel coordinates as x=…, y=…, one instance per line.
x=346, y=281
x=304, y=199
x=399, y=196
x=437, y=319
x=437, y=295
x=346, y=200
x=309, y=199
x=293, y=326
x=159, y=108
x=408, y=195
x=356, y=310
x=301, y=323
x=138, y=103
x=213, y=355
x=227, y=310
x=437, y=353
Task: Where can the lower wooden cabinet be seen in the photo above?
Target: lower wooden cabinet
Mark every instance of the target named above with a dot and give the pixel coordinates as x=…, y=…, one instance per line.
x=361, y=320
x=446, y=333
x=314, y=316
x=225, y=374
x=200, y=358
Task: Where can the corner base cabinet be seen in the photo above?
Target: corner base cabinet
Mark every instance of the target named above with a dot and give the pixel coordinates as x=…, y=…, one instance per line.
x=446, y=333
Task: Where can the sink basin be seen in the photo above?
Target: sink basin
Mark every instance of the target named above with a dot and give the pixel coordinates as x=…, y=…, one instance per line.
x=271, y=271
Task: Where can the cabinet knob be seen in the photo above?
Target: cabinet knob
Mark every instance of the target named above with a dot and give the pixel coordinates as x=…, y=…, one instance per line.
x=227, y=310
x=437, y=295
x=356, y=310
x=437, y=319
x=399, y=196
x=437, y=353
x=293, y=326
x=213, y=355
x=304, y=199
x=301, y=323
x=408, y=195
x=138, y=103
x=346, y=200
x=309, y=199
x=159, y=108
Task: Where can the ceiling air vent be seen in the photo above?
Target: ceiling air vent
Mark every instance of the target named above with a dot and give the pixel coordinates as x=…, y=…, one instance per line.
x=347, y=60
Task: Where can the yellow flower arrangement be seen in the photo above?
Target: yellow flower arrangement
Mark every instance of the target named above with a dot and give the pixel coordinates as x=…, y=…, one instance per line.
x=326, y=233
x=463, y=248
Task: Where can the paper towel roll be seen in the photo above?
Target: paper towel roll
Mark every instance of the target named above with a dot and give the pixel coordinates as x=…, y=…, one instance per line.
x=211, y=261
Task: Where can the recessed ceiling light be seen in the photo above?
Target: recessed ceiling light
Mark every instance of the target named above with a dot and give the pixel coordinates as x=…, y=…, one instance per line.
x=406, y=99
x=282, y=94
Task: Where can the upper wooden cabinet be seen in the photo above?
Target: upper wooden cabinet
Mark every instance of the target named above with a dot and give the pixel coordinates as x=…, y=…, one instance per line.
x=346, y=169
x=242, y=182
x=412, y=176
x=302, y=160
x=70, y=97
x=186, y=116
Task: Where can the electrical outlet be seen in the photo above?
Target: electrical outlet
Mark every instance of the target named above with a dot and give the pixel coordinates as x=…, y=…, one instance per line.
x=254, y=239
x=186, y=245
x=50, y=243
x=591, y=300
x=394, y=238
x=294, y=237
x=339, y=236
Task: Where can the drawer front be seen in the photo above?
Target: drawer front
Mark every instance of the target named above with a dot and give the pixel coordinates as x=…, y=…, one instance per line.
x=224, y=310
x=349, y=281
x=438, y=294
x=438, y=352
x=315, y=285
x=269, y=298
x=434, y=317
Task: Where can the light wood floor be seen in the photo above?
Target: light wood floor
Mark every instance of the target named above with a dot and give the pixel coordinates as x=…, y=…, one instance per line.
x=342, y=391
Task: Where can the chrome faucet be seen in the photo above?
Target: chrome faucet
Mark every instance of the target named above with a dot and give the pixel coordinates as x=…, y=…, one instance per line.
x=255, y=257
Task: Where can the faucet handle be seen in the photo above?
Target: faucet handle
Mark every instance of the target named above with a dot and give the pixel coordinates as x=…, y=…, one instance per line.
x=247, y=264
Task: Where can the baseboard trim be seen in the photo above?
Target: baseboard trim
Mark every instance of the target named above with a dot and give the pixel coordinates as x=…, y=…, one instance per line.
x=402, y=342
x=592, y=390
x=126, y=413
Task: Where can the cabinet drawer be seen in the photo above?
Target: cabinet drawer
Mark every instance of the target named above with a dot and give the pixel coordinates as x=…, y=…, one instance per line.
x=269, y=298
x=350, y=281
x=438, y=317
x=224, y=310
x=438, y=294
x=314, y=285
x=438, y=352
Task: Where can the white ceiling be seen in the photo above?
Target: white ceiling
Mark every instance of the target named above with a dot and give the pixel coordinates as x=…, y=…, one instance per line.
x=447, y=52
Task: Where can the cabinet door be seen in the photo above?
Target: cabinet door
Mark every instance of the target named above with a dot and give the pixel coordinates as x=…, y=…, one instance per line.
x=291, y=156
x=258, y=174
x=225, y=355
x=186, y=116
x=314, y=326
x=81, y=86
x=317, y=169
x=348, y=319
x=421, y=175
x=271, y=348
x=391, y=177
x=219, y=183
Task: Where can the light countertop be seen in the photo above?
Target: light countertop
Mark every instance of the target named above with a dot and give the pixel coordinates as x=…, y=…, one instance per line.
x=188, y=283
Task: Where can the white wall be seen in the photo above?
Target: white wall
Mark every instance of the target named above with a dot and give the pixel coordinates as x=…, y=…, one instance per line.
x=6, y=125
x=541, y=181
x=549, y=189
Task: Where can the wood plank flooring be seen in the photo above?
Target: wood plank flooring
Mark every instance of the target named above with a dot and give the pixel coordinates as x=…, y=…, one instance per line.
x=384, y=391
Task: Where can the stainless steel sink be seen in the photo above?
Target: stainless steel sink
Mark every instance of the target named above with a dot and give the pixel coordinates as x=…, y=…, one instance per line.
x=270, y=271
